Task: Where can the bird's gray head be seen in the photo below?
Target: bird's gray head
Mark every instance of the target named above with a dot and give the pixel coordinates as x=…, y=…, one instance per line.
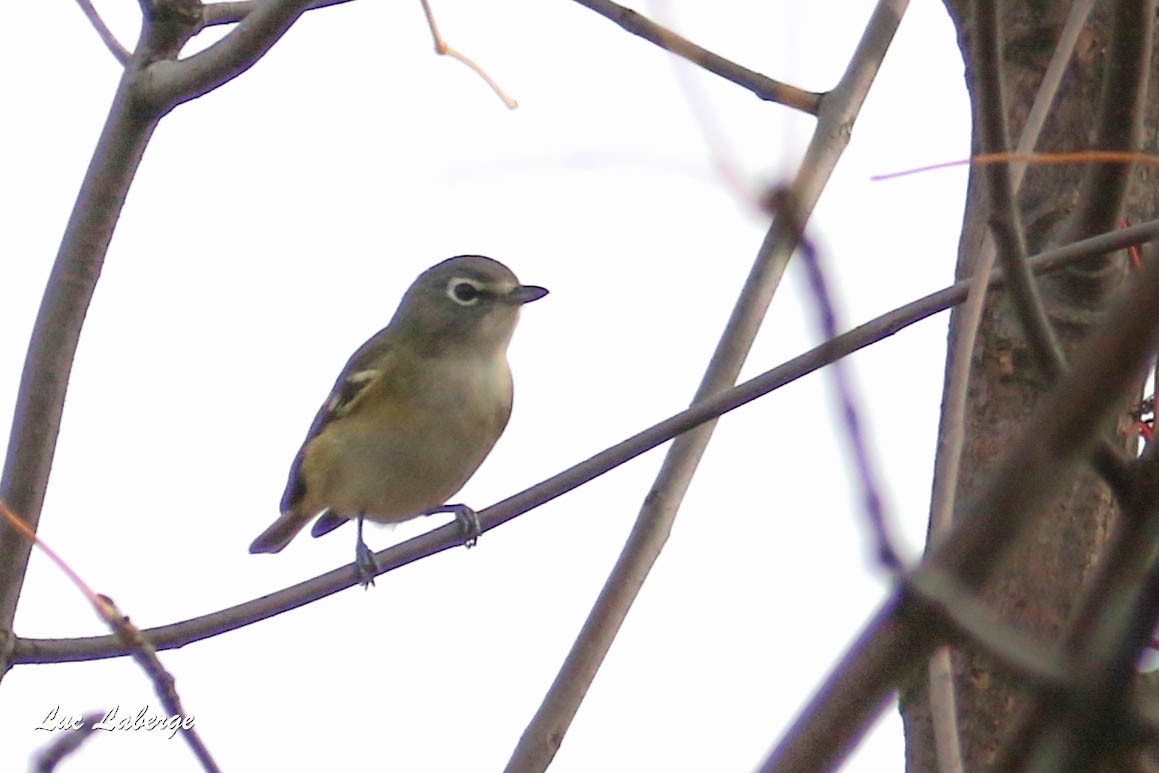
x=468, y=300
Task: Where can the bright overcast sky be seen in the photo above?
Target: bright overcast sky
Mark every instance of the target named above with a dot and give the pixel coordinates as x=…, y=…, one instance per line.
x=273, y=226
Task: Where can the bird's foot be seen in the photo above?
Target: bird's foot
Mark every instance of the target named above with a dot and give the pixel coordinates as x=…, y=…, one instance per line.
x=364, y=560
x=466, y=517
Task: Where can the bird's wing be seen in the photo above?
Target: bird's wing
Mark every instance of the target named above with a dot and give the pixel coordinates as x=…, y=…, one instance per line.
x=363, y=368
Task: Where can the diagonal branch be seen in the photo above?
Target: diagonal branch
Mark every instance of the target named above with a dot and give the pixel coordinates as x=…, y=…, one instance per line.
x=60, y=748
x=107, y=37
x=142, y=650
x=887, y=554
x=167, y=83
x=164, y=685
x=214, y=14
x=967, y=617
x=1104, y=641
x=1059, y=436
x=450, y=536
x=543, y=735
x=442, y=48
x=763, y=86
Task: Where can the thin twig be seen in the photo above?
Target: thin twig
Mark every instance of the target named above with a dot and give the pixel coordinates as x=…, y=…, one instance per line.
x=46, y=760
x=213, y=14
x=446, y=537
x=119, y=52
x=17, y=523
x=443, y=49
x=1017, y=158
x=128, y=634
x=764, y=87
x=782, y=203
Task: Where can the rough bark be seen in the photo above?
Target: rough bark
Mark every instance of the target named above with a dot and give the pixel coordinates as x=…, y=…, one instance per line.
x=1039, y=585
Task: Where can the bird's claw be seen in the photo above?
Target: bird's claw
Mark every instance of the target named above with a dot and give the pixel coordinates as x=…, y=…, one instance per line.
x=467, y=518
x=364, y=561
x=365, y=564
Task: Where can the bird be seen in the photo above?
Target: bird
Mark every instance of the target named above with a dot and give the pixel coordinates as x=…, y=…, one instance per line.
x=414, y=412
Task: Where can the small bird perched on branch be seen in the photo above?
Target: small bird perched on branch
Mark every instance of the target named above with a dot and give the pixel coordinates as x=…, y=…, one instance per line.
x=415, y=411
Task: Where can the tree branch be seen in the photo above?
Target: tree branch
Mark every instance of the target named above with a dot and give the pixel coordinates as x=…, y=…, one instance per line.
x=107, y=37
x=764, y=87
x=1107, y=635
x=450, y=536
x=44, y=380
x=142, y=650
x=65, y=744
x=442, y=48
x=1005, y=220
x=887, y=553
x=214, y=14
x=543, y=735
x=1058, y=437
x=971, y=622
x=1122, y=103
x=168, y=83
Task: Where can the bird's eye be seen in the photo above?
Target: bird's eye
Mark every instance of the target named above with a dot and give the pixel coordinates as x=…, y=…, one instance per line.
x=463, y=292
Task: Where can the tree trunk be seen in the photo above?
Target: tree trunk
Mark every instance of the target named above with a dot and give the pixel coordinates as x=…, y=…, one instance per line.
x=1039, y=584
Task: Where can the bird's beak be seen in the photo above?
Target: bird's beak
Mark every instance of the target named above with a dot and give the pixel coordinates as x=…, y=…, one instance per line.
x=526, y=294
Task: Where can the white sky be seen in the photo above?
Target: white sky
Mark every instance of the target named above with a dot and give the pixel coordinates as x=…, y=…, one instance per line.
x=272, y=228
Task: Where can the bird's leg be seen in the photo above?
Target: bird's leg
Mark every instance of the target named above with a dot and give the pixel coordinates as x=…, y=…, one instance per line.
x=364, y=560
x=466, y=517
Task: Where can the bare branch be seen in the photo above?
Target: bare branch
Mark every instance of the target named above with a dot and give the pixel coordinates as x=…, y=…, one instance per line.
x=44, y=380
x=1122, y=102
x=46, y=760
x=107, y=37
x=948, y=459
x=450, y=536
x=1005, y=220
x=944, y=711
x=214, y=14
x=887, y=553
x=443, y=49
x=764, y=87
x=168, y=83
x=1104, y=640
x=142, y=650
x=541, y=738
x=1059, y=436
x=131, y=122
x=164, y=685
x=972, y=622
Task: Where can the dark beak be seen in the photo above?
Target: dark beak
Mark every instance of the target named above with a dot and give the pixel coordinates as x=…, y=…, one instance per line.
x=526, y=294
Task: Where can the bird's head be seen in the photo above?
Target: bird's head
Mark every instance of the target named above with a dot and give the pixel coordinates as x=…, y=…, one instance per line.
x=467, y=301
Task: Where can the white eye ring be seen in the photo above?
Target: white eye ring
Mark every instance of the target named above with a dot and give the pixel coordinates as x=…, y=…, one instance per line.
x=465, y=292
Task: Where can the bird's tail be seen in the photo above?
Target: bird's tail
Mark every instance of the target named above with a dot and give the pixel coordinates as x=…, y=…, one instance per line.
x=279, y=534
